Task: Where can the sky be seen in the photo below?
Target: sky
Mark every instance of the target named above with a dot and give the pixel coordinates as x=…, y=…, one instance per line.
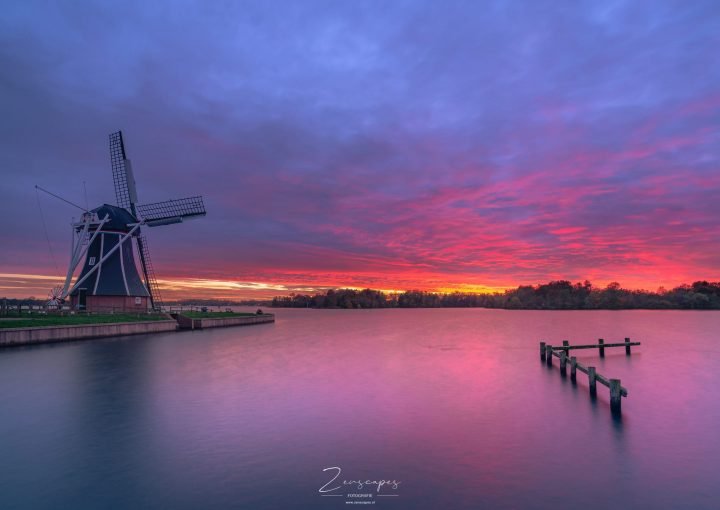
x=394, y=145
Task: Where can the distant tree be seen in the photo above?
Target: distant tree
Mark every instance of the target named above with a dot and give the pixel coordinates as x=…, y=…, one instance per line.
x=554, y=295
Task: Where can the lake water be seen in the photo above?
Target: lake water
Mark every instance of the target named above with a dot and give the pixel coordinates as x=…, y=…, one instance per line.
x=454, y=404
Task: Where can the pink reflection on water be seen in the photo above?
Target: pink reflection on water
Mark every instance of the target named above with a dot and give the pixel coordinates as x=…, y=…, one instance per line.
x=455, y=403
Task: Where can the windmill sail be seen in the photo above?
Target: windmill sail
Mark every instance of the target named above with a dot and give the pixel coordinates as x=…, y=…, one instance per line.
x=123, y=178
x=171, y=211
x=149, y=273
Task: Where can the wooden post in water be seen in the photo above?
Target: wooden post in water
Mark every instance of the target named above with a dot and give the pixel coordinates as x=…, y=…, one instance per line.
x=542, y=351
x=615, y=396
x=573, y=368
x=627, y=346
x=563, y=363
x=566, y=344
x=591, y=381
x=548, y=355
x=601, y=348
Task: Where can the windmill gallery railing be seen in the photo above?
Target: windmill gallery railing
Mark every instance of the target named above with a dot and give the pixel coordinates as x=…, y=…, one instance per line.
x=617, y=391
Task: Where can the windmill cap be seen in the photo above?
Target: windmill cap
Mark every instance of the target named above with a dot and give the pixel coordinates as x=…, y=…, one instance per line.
x=118, y=218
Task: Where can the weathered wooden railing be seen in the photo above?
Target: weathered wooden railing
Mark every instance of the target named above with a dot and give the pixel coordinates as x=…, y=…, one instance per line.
x=600, y=346
x=547, y=352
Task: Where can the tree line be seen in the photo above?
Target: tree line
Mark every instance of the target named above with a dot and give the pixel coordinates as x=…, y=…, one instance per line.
x=555, y=295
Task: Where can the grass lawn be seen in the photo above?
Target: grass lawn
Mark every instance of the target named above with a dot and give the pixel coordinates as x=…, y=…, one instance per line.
x=36, y=321
x=215, y=315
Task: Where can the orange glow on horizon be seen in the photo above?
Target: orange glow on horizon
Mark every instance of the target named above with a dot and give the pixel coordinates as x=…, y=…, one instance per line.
x=23, y=285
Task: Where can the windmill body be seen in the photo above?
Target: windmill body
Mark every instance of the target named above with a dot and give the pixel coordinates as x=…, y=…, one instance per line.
x=117, y=284
x=107, y=238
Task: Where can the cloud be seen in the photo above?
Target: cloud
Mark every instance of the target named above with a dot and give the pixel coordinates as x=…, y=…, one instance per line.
x=403, y=145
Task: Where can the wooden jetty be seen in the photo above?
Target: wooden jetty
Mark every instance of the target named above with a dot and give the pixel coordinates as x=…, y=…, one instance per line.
x=617, y=391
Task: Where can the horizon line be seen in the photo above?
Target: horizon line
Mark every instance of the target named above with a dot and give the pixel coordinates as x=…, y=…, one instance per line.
x=225, y=290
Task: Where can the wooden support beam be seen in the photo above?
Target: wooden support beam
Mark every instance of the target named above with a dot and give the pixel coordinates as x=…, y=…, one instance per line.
x=591, y=381
x=606, y=382
x=542, y=351
x=602, y=347
x=594, y=346
x=615, y=400
x=563, y=363
x=627, y=346
x=573, y=368
x=548, y=355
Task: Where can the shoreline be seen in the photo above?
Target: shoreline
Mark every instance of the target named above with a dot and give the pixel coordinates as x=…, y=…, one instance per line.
x=24, y=336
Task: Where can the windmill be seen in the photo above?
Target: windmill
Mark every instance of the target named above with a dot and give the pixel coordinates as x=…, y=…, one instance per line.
x=103, y=239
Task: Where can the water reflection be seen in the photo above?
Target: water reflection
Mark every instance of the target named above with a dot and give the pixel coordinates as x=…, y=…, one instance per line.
x=449, y=401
